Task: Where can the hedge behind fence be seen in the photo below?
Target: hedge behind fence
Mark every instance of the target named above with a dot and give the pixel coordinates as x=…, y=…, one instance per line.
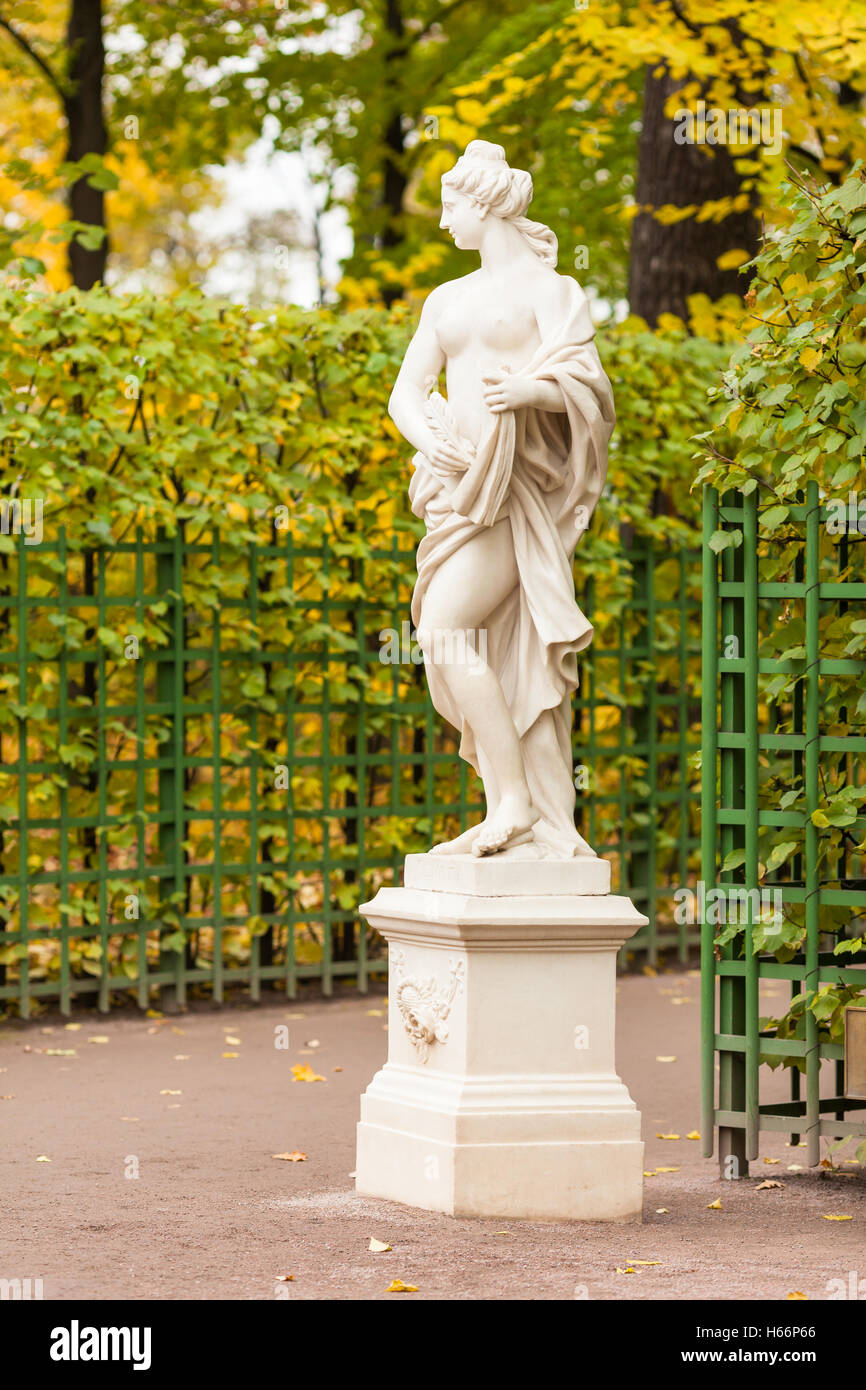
x=195, y=641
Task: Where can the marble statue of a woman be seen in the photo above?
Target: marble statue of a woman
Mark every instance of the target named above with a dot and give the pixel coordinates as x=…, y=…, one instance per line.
x=507, y=473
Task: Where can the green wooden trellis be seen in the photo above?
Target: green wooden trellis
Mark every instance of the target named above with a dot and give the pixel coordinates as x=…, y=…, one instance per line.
x=183, y=752
x=741, y=743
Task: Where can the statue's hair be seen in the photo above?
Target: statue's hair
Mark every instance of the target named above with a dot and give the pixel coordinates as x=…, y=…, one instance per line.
x=483, y=173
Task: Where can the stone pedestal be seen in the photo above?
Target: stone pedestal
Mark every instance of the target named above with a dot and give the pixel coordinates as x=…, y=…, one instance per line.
x=499, y=1097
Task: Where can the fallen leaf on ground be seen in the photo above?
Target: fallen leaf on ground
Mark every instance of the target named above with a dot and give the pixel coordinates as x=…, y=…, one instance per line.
x=284, y=1278
x=171, y=1093
x=378, y=1246
x=376, y=1013
x=772, y=1160
x=296, y=1015
x=12, y=1097
x=72, y=1027
x=302, y=1071
x=180, y=1031
x=338, y=1068
x=294, y=1157
x=43, y=1158
x=231, y=1054
x=181, y=1056
x=60, y=1052
x=716, y=1205
x=682, y=1000
x=628, y=1270
x=397, y=1286
x=797, y=1294
x=233, y=1042
x=312, y=1042
x=769, y=1182
x=99, y=1038
x=667, y=1136
x=693, y=1134
x=838, y=1218
x=666, y=1059
x=647, y=1263
x=153, y=1013
x=650, y=1173
x=795, y=1167
x=46, y=1030
x=667, y=1170
x=661, y=1211
x=132, y=1119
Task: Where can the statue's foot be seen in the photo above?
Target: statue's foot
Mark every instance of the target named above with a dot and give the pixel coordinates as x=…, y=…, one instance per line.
x=461, y=844
x=508, y=826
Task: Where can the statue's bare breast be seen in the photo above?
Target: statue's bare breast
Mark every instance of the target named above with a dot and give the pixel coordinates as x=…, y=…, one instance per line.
x=480, y=329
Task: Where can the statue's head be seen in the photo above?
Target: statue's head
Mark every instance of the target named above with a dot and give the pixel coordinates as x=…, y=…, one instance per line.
x=482, y=184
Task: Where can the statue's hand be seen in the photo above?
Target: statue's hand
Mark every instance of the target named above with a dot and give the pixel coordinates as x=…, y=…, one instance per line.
x=502, y=391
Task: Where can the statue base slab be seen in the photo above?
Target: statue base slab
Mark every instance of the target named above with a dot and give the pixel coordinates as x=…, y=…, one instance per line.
x=511, y=873
x=499, y=1097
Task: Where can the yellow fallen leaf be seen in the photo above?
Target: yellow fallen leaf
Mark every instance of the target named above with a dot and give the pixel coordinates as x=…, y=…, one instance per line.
x=153, y=1013
x=284, y=1278
x=646, y=1263
x=312, y=1042
x=650, y=1173
x=666, y=1059
x=769, y=1182
x=171, y=1093
x=99, y=1038
x=233, y=1042
x=378, y=1246
x=661, y=1211
x=693, y=1134
x=180, y=1031
x=796, y=1294
x=181, y=1056
x=60, y=1052
x=667, y=1170
x=43, y=1158
x=667, y=1136
x=838, y=1218
x=338, y=1068
x=772, y=1160
x=716, y=1205
x=397, y=1286
x=302, y=1071
x=294, y=1157
x=231, y=1054
x=649, y=970
x=629, y=1270
x=681, y=1001
x=376, y=1013
x=72, y=1027
x=795, y=1167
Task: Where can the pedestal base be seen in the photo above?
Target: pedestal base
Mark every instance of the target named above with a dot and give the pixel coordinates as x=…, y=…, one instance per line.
x=499, y=1097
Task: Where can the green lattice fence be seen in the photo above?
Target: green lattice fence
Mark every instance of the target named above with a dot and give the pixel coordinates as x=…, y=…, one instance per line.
x=207, y=808
x=784, y=739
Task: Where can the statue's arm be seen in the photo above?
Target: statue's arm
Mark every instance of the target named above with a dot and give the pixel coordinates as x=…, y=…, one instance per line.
x=424, y=359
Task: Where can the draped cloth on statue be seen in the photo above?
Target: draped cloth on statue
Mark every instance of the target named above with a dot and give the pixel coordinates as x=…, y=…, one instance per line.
x=545, y=471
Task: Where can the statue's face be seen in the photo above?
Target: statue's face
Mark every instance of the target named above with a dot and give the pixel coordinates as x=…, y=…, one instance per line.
x=463, y=217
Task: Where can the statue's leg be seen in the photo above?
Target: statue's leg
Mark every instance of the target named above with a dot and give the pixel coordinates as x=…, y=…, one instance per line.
x=463, y=844
x=467, y=588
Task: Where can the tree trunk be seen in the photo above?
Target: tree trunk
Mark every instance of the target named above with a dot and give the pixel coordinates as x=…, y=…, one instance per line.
x=670, y=262
x=394, y=178
x=87, y=133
